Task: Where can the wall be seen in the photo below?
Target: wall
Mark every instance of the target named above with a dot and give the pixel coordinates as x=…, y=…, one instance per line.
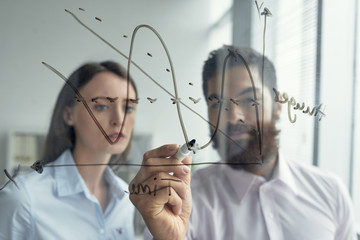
x=39, y=30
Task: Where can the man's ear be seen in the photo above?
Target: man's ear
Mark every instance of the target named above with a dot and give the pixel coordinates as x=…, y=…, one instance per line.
x=277, y=107
x=68, y=116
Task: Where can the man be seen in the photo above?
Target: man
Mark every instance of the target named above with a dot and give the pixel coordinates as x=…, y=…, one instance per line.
x=256, y=193
x=260, y=195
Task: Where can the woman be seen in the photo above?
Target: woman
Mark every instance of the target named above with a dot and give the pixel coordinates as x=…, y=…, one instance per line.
x=77, y=196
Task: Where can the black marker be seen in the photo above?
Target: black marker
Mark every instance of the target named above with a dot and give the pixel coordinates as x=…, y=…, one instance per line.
x=184, y=150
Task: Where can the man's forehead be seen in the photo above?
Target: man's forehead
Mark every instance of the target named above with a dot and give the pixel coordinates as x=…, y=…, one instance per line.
x=243, y=92
x=237, y=78
x=236, y=74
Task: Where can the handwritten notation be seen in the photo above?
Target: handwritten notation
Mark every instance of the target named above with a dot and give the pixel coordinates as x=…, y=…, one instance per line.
x=151, y=100
x=284, y=98
x=194, y=100
x=174, y=97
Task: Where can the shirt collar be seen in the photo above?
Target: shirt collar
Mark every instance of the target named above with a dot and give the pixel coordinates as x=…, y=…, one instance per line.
x=68, y=179
x=242, y=181
x=284, y=174
x=115, y=187
x=70, y=182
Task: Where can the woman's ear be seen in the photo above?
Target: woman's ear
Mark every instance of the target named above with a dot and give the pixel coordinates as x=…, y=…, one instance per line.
x=68, y=116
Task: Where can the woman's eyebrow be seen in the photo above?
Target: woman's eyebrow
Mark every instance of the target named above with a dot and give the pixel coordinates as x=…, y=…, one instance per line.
x=110, y=99
x=132, y=100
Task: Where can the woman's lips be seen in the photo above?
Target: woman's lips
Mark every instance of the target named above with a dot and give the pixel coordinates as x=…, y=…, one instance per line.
x=114, y=136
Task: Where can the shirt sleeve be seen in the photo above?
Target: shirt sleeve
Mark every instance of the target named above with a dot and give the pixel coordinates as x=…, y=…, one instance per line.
x=344, y=213
x=15, y=213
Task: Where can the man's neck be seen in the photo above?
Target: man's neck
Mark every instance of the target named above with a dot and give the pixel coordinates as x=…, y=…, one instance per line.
x=268, y=167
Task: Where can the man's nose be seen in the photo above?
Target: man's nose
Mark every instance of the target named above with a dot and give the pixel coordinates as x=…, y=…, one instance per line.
x=235, y=114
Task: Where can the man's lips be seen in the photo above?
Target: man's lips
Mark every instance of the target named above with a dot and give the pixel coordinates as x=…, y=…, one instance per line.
x=235, y=135
x=238, y=132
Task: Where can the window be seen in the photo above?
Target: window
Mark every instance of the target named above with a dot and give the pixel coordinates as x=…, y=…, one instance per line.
x=290, y=42
x=314, y=47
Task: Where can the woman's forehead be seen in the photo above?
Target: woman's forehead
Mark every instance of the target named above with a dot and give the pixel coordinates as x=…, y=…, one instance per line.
x=107, y=84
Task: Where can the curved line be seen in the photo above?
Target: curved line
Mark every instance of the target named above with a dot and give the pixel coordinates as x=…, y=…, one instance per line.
x=262, y=79
x=171, y=66
x=116, y=50
x=221, y=103
x=83, y=102
x=256, y=106
x=152, y=79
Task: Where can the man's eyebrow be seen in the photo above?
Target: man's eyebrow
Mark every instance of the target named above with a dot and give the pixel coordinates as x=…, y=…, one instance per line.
x=245, y=91
x=213, y=96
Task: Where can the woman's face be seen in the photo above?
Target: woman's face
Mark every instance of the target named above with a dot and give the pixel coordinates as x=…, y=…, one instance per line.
x=106, y=96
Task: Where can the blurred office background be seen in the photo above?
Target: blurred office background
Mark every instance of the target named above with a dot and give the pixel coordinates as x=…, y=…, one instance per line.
x=313, y=44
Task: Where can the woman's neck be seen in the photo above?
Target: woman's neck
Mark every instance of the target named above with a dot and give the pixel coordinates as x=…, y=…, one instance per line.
x=91, y=167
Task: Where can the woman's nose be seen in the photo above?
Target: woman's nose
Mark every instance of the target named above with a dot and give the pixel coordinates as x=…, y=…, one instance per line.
x=116, y=116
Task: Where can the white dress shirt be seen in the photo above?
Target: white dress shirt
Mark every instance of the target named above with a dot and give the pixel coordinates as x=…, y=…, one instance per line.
x=57, y=205
x=299, y=203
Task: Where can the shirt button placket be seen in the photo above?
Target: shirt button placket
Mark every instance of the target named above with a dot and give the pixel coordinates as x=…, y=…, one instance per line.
x=101, y=221
x=267, y=206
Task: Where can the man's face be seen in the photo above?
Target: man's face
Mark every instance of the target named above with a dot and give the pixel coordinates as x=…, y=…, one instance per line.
x=240, y=120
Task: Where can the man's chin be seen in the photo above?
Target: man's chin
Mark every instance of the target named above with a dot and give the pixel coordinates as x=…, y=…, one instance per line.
x=240, y=151
x=243, y=150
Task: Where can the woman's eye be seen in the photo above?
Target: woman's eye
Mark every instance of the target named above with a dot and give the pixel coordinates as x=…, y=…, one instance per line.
x=101, y=107
x=129, y=109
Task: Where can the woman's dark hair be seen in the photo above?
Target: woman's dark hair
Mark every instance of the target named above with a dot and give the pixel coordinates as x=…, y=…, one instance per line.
x=62, y=136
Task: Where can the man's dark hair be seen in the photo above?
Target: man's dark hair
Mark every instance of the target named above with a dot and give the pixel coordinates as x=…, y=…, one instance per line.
x=214, y=64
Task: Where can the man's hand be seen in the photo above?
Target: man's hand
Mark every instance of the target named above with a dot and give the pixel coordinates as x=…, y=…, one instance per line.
x=163, y=199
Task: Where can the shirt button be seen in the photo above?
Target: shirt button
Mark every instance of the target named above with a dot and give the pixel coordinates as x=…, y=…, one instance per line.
x=270, y=215
x=263, y=189
x=102, y=231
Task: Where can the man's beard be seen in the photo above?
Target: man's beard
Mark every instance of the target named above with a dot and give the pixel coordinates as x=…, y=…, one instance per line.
x=245, y=153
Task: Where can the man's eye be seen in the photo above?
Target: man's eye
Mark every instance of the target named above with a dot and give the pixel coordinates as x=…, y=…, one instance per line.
x=249, y=100
x=215, y=105
x=245, y=101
